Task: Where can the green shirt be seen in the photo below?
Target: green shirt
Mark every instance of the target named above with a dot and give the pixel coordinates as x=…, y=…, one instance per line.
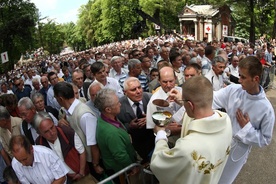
x=115, y=146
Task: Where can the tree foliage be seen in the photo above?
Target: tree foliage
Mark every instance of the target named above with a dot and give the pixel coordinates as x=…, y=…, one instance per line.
x=53, y=37
x=17, y=25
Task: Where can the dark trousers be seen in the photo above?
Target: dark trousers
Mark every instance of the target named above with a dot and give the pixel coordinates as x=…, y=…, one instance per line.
x=115, y=180
x=99, y=177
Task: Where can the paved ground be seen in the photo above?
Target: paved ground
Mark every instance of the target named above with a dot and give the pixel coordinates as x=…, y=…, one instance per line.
x=261, y=165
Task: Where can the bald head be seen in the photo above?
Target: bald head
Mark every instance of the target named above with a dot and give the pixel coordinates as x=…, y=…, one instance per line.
x=167, y=78
x=93, y=90
x=44, y=81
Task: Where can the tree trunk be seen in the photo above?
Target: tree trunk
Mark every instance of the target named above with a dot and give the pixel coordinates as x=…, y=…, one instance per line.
x=274, y=27
x=252, y=22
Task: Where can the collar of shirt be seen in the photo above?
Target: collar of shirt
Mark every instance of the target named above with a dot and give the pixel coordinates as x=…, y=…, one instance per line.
x=122, y=72
x=112, y=122
x=132, y=103
x=29, y=126
x=72, y=107
x=107, y=81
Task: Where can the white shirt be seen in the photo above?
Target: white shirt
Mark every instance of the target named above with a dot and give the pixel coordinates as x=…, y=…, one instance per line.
x=233, y=71
x=257, y=132
x=56, y=147
x=134, y=107
x=117, y=76
x=114, y=84
x=216, y=81
x=60, y=74
x=206, y=65
x=29, y=82
x=260, y=127
x=47, y=167
x=151, y=108
x=88, y=124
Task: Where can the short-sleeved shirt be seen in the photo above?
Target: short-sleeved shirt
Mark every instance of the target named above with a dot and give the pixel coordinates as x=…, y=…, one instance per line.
x=47, y=167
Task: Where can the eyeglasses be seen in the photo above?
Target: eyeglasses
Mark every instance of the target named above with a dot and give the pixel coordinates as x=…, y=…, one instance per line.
x=137, y=55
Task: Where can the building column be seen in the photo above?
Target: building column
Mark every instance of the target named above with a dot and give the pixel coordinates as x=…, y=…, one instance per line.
x=201, y=29
x=181, y=31
x=196, y=35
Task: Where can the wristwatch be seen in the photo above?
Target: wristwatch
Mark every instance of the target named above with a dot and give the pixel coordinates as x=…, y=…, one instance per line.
x=95, y=165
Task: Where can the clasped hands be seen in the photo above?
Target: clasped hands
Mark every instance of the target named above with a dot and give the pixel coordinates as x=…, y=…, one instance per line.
x=138, y=123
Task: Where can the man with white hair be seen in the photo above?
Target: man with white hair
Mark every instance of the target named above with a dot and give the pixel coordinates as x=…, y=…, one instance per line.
x=117, y=71
x=215, y=74
x=92, y=92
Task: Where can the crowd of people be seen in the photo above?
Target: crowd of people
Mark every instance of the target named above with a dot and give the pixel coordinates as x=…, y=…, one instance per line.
x=83, y=116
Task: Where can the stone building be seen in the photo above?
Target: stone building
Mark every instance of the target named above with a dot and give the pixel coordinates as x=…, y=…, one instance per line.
x=206, y=21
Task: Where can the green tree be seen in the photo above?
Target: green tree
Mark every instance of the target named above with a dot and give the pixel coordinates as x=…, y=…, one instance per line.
x=17, y=27
x=52, y=36
x=164, y=11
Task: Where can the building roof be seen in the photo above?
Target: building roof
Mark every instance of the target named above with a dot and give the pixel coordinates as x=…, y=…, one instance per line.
x=207, y=10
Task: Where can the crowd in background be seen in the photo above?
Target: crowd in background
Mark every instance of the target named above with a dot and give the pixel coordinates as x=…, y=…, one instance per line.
x=41, y=85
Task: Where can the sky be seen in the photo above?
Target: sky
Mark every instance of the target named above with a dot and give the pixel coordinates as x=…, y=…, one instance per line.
x=62, y=11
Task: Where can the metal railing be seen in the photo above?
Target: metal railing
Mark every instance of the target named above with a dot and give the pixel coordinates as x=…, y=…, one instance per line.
x=124, y=171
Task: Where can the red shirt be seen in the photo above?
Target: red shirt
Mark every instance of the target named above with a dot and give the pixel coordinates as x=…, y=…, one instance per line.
x=263, y=61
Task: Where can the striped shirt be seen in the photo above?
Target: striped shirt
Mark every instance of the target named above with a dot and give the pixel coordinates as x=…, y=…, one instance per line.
x=142, y=78
x=46, y=168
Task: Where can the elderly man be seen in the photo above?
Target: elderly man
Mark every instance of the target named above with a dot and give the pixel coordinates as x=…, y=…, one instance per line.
x=251, y=113
x=58, y=70
x=134, y=67
x=215, y=75
x=113, y=139
x=29, y=161
x=99, y=71
x=132, y=115
x=4, y=89
x=45, y=86
x=36, y=86
x=77, y=78
x=28, y=81
x=232, y=70
x=38, y=102
x=65, y=142
x=163, y=55
x=10, y=126
x=83, y=121
x=201, y=152
x=27, y=111
x=167, y=80
x=117, y=71
x=93, y=90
